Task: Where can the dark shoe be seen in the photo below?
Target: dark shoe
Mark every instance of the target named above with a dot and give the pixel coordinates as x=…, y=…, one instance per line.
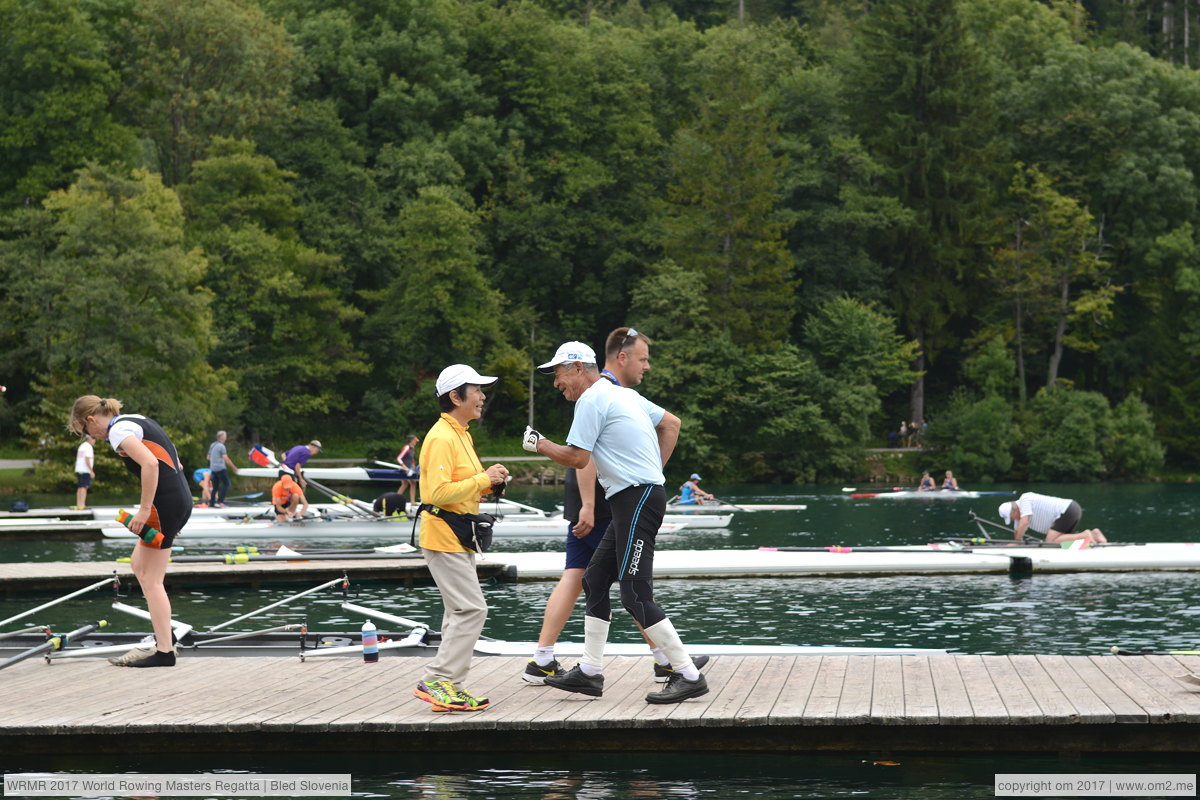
x=662, y=673
x=156, y=659
x=537, y=674
x=577, y=681
x=678, y=689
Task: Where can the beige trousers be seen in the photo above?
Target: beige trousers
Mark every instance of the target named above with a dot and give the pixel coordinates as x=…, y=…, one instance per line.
x=465, y=613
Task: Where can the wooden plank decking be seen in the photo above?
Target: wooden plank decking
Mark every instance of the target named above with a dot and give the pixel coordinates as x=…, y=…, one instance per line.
x=952, y=703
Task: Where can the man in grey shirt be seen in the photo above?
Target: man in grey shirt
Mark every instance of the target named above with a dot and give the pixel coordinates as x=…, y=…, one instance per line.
x=219, y=464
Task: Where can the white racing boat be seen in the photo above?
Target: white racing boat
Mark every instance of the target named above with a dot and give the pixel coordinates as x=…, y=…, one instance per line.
x=729, y=508
x=389, y=528
x=933, y=494
x=348, y=474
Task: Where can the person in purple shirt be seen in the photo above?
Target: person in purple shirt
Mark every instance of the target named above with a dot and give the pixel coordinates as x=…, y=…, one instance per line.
x=295, y=459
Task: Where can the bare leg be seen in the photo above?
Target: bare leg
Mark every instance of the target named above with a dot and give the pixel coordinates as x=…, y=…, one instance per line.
x=81, y=497
x=150, y=567
x=560, y=605
x=1056, y=536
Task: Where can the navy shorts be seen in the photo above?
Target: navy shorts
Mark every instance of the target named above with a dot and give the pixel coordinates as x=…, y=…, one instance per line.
x=579, y=551
x=83, y=480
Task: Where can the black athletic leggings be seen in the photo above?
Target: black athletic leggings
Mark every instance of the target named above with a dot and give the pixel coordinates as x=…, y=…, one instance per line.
x=626, y=554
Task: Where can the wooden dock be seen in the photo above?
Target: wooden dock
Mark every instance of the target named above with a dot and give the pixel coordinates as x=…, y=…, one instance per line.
x=944, y=703
x=21, y=578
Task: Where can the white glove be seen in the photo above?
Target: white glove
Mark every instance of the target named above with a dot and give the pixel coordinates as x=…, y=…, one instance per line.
x=531, y=439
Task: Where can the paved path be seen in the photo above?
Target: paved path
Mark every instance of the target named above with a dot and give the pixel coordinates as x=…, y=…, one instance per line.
x=16, y=463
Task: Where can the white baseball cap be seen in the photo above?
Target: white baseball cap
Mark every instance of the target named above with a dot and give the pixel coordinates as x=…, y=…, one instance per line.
x=456, y=375
x=568, y=353
x=1006, y=511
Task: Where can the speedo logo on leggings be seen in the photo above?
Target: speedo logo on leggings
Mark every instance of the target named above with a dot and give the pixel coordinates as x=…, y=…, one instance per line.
x=636, y=558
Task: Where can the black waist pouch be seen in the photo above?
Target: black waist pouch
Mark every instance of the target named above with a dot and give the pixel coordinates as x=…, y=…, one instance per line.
x=474, y=531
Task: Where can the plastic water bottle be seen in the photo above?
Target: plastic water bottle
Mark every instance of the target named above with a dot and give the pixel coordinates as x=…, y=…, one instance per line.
x=370, y=642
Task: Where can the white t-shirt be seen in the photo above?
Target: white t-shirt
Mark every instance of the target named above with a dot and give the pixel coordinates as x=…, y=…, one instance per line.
x=83, y=455
x=122, y=429
x=617, y=426
x=1043, y=508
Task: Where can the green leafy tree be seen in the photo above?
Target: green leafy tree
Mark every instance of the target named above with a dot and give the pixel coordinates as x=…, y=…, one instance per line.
x=1132, y=450
x=281, y=332
x=1067, y=433
x=110, y=300
x=976, y=431
x=199, y=69
x=923, y=105
x=56, y=85
x=439, y=309
x=723, y=219
x=1052, y=272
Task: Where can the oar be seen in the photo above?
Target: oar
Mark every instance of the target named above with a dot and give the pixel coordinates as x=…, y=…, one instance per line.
x=1117, y=651
x=54, y=643
x=64, y=598
x=251, y=496
x=23, y=631
x=234, y=636
x=244, y=558
x=344, y=580
x=719, y=501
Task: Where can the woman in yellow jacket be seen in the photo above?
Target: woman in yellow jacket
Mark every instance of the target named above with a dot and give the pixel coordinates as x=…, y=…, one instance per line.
x=452, y=479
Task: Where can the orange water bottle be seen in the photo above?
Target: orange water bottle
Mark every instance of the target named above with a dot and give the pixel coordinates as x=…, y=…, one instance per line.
x=370, y=643
x=149, y=535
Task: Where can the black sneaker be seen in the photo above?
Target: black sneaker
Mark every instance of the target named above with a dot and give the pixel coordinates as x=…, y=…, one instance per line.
x=536, y=674
x=577, y=681
x=678, y=689
x=662, y=673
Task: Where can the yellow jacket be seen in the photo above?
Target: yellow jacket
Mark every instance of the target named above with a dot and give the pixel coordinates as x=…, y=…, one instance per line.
x=452, y=478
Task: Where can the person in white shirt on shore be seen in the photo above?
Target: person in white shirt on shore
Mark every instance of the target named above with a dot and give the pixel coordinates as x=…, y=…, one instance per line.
x=85, y=460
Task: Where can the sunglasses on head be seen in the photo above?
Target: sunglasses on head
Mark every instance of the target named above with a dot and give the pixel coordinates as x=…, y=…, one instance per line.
x=630, y=334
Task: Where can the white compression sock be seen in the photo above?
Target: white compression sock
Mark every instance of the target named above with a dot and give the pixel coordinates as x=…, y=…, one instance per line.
x=664, y=634
x=595, y=636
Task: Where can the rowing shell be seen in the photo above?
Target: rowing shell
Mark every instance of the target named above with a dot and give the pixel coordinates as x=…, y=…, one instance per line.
x=391, y=529
x=884, y=560
x=728, y=508
x=936, y=494
x=354, y=474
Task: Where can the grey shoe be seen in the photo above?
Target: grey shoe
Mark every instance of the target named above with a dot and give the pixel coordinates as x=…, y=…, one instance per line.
x=677, y=690
x=577, y=681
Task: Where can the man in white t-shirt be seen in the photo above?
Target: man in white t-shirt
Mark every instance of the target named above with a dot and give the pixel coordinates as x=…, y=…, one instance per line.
x=1056, y=517
x=629, y=439
x=85, y=459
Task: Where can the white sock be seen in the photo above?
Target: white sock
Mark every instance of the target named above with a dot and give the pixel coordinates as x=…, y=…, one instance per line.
x=664, y=634
x=660, y=657
x=595, y=636
x=543, y=656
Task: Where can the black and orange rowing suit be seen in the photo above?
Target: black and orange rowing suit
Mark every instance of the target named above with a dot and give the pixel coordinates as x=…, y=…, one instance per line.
x=172, y=506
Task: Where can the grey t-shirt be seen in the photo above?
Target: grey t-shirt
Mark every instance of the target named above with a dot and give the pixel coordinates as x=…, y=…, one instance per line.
x=216, y=456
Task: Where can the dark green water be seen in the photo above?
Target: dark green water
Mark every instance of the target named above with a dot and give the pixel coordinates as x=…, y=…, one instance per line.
x=1066, y=614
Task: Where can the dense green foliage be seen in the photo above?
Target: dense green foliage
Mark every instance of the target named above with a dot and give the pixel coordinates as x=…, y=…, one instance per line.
x=284, y=217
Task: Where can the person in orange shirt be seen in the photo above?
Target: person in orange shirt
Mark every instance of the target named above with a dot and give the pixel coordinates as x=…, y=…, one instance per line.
x=286, y=495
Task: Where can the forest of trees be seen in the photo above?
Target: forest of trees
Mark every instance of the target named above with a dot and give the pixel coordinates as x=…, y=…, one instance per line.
x=284, y=217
